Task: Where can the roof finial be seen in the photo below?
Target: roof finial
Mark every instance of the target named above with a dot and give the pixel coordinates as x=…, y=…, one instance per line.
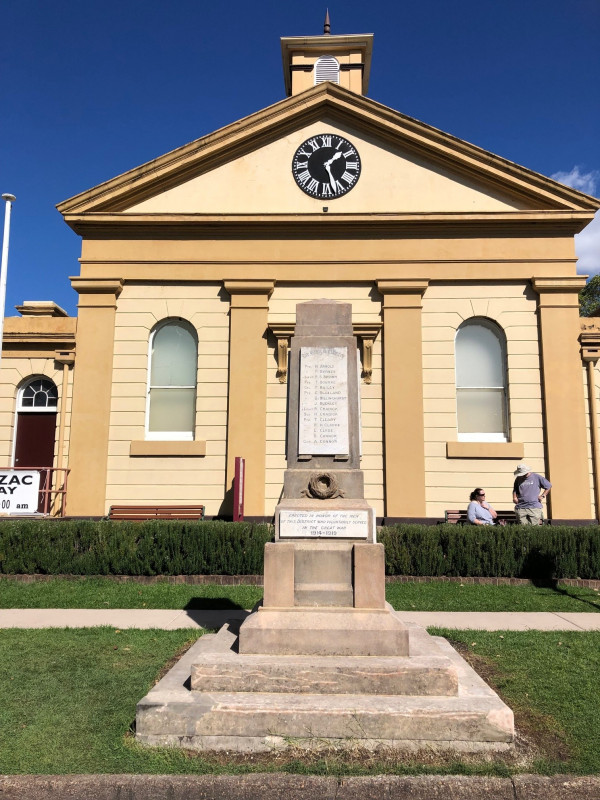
x=327, y=25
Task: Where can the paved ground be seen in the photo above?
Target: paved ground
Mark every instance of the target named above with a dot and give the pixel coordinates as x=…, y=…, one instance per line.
x=296, y=787
x=171, y=620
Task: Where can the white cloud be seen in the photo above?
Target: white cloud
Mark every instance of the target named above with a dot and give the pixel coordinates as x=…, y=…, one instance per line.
x=583, y=181
x=587, y=243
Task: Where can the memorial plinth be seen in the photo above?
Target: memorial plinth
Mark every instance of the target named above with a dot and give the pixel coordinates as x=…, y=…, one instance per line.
x=325, y=557
x=324, y=660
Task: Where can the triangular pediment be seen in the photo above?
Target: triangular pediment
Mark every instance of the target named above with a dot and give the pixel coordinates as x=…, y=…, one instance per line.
x=407, y=167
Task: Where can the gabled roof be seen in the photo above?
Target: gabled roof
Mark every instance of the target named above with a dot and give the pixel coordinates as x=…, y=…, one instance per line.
x=347, y=107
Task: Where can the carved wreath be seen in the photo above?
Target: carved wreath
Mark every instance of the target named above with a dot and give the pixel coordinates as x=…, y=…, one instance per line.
x=323, y=485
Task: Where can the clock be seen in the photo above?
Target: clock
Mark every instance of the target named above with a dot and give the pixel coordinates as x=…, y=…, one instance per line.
x=326, y=166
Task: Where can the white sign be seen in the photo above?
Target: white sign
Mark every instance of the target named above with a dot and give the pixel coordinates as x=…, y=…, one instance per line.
x=309, y=524
x=19, y=491
x=323, y=404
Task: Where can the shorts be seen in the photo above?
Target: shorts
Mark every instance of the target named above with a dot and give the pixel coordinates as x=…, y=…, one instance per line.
x=529, y=516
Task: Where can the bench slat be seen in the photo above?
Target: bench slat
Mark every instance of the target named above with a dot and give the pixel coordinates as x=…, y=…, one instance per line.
x=139, y=513
x=456, y=516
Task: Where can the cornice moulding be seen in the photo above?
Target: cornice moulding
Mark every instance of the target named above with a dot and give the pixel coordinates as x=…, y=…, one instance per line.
x=234, y=286
x=16, y=337
x=569, y=283
x=402, y=286
x=112, y=286
x=519, y=223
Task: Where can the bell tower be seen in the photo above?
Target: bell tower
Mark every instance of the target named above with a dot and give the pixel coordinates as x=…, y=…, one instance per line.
x=309, y=60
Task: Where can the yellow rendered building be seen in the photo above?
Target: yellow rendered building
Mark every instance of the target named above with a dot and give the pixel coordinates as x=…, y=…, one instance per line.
x=459, y=265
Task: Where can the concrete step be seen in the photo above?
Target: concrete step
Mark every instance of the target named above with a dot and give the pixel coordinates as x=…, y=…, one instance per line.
x=342, y=718
x=473, y=720
x=324, y=632
x=230, y=672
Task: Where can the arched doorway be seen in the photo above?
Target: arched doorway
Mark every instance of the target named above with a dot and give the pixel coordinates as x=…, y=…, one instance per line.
x=36, y=425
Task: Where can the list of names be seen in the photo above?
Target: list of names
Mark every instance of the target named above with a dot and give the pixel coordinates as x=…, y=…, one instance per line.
x=323, y=406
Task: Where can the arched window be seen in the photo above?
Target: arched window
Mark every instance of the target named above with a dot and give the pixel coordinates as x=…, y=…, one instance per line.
x=327, y=68
x=173, y=365
x=481, y=396
x=39, y=394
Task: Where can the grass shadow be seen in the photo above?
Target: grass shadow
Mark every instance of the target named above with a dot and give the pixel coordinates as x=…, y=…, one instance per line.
x=564, y=591
x=211, y=604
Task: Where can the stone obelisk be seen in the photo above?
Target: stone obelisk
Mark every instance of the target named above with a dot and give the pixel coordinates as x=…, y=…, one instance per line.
x=324, y=583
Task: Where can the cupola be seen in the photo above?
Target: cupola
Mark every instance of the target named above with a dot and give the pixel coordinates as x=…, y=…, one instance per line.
x=309, y=60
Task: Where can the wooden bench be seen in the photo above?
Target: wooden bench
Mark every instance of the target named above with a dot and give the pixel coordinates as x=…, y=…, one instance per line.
x=455, y=517
x=139, y=513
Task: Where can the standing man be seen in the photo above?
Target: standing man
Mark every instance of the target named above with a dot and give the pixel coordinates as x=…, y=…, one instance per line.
x=528, y=492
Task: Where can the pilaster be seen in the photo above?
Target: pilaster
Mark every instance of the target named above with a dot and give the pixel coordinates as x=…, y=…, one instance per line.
x=404, y=438
x=246, y=424
x=567, y=465
x=90, y=418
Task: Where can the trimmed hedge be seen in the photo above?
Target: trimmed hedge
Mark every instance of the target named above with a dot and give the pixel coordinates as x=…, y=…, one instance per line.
x=511, y=551
x=87, y=547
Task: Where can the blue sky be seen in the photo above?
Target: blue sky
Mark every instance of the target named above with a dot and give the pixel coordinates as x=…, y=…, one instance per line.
x=90, y=89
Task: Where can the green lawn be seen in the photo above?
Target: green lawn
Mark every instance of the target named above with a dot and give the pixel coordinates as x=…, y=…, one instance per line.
x=550, y=680
x=106, y=593
x=435, y=596
x=441, y=596
x=69, y=697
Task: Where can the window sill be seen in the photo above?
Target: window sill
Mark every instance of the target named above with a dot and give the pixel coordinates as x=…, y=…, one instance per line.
x=166, y=449
x=485, y=450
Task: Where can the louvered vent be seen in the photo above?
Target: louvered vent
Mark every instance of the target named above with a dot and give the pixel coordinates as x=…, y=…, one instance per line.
x=327, y=68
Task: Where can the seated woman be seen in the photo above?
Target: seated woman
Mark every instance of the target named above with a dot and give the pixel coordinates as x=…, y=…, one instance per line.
x=479, y=512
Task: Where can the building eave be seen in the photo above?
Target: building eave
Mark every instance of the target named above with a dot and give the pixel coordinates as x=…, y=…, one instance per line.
x=524, y=223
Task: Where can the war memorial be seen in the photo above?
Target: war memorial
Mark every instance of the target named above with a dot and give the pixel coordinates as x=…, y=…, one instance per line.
x=324, y=660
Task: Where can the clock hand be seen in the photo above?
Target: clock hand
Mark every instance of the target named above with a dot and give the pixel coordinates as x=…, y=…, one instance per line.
x=332, y=159
x=331, y=178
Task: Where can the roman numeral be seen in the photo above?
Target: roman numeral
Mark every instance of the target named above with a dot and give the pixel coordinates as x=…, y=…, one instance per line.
x=351, y=164
x=326, y=190
x=340, y=188
x=348, y=178
x=304, y=176
x=313, y=185
x=325, y=141
x=302, y=165
x=314, y=144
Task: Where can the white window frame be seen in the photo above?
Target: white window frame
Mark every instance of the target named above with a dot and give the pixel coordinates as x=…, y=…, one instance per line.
x=492, y=326
x=27, y=409
x=169, y=436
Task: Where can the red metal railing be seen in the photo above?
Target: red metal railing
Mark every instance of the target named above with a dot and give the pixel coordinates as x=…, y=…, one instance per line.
x=53, y=488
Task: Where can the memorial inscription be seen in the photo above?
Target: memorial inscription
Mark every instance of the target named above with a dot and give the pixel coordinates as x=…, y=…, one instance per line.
x=323, y=402
x=328, y=523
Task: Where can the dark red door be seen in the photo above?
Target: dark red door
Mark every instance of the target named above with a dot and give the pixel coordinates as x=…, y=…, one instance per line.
x=35, y=442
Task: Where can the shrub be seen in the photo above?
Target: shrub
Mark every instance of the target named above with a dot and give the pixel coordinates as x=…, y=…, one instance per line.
x=156, y=547
x=165, y=547
x=511, y=551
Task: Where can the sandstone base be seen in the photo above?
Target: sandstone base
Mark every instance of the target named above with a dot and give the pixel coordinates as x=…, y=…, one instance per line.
x=429, y=700
x=324, y=632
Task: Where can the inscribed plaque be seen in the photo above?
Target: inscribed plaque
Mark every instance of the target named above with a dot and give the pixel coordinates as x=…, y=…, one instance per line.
x=329, y=523
x=323, y=403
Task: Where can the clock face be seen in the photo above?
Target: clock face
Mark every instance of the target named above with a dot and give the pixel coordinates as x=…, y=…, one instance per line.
x=326, y=166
